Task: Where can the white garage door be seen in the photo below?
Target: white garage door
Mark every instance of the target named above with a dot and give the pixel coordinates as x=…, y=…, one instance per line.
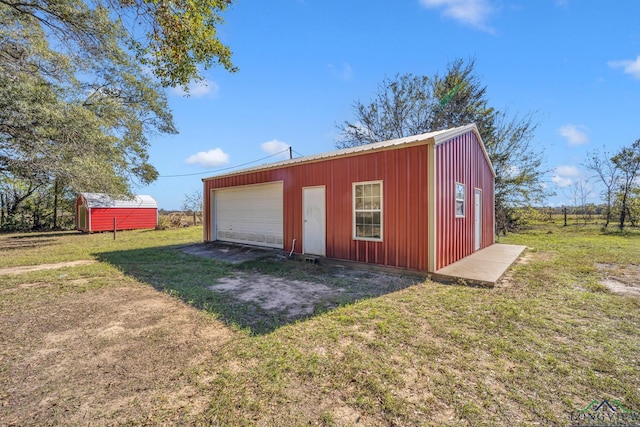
x=250, y=214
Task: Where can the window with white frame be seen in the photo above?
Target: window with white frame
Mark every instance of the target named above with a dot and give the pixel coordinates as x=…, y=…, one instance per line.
x=367, y=210
x=459, y=200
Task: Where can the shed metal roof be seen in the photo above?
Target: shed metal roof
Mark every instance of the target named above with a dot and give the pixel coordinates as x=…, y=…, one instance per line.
x=437, y=137
x=100, y=200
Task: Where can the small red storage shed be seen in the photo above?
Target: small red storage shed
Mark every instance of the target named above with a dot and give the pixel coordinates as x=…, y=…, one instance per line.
x=419, y=203
x=96, y=212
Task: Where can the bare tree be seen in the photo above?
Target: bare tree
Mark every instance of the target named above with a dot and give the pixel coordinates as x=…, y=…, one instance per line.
x=607, y=173
x=579, y=193
x=193, y=204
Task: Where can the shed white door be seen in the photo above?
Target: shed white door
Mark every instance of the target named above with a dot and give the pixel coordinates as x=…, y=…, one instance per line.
x=314, y=221
x=250, y=214
x=477, y=219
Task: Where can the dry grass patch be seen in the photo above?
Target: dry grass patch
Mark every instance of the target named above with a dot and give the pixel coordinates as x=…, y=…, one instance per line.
x=109, y=356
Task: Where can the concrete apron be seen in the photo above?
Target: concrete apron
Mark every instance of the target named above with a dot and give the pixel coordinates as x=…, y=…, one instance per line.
x=484, y=267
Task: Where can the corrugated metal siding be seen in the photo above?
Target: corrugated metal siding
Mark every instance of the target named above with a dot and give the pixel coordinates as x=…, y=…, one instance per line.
x=101, y=218
x=461, y=160
x=404, y=175
x=126, y=218
x=437, y=136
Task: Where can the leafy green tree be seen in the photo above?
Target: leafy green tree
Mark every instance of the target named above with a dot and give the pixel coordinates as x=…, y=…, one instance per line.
x=172, y=38
x=80, y=117
x=409, y=105
x=627, y=161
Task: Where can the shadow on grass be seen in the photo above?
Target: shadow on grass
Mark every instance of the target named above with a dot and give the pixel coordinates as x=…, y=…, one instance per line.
x=34, y=240
x=43, y=234
x=191, y=278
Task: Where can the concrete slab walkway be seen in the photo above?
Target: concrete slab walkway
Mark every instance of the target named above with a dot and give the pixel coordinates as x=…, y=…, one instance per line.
x=483, y=267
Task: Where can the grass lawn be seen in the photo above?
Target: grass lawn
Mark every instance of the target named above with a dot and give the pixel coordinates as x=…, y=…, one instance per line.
x=137, y=338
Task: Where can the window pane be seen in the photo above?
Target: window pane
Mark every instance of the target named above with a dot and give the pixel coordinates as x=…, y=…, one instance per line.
x=363, y=218
x=459, y=208
x=375, y=203
x=375, y=190
x=367, y=203
x=376, y=218
x=459, y=191
x=367, y=215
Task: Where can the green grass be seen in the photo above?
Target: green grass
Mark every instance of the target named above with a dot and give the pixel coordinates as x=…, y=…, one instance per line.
x=545, y=343
x=42, y=248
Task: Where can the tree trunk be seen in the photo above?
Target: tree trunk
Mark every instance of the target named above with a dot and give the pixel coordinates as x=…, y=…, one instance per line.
x=2, y=219
x=631, y=217
x=623, y=210
x=55, y=204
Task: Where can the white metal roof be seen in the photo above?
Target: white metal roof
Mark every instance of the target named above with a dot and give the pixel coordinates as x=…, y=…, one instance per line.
x=99, y=200
x=437, y=137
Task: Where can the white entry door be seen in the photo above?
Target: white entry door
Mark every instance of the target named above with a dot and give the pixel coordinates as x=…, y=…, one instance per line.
x=314, y=221
x=477, y=219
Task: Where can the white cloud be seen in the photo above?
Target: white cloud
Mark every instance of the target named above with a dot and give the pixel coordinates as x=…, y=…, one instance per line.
x=568, y=171
x=561, y=181
x=276, y=147
x=207, y=159
x=200, y=89
x=470, y=12
x=345, y=73
x=628, y=66
x=565, y=175
x=575, y=135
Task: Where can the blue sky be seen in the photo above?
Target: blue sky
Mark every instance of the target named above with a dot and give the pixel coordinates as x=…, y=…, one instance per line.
x=303, y=63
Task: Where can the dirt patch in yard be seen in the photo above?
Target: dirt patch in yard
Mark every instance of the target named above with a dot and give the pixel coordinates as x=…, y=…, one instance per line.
x=30, y=268
x=109, y=356
x=262, y=302
x=295, y=298
x=622, y=280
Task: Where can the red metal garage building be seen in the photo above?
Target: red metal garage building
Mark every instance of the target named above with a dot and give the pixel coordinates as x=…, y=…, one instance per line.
x=418, y=203
x=97, y=212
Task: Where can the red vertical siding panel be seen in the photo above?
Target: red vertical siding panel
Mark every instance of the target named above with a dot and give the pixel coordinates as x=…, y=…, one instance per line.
x=126, y=218
x=462, y=160
x=405, y=197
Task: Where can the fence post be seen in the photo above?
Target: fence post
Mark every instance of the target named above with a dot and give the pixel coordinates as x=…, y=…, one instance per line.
x=114, y=229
